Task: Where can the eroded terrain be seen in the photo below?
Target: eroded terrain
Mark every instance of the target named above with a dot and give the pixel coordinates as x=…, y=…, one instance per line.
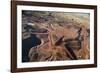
x=61, y=36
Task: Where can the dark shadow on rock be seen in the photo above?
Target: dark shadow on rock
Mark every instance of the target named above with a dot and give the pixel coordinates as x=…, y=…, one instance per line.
x=27, y=44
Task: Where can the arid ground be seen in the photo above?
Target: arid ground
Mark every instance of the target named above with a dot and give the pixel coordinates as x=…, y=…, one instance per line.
x=55, y=36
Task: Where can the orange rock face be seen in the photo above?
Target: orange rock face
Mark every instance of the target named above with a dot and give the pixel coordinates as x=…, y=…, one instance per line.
x=50, y=52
